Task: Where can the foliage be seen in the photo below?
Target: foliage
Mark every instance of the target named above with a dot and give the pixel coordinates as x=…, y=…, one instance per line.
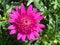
x=51, y=11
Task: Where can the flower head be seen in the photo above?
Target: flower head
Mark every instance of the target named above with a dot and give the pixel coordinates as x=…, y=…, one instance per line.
x=25, y=23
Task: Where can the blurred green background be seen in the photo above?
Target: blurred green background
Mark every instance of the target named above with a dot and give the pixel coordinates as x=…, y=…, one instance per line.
x=50, y=9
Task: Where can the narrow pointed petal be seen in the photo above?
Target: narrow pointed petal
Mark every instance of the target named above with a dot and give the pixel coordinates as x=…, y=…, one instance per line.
x=36, y=34
x=19, y=36
x=34, y=10
x=15, y=12
x=38, y=15
x=28, y=36
x=11, y=20
x=41, y=25
x=16, y=8
x=10, y=15
x=29, y=10
x=13, y=16
x=12, y=32
x=11, y=27
x=31, y=36
x=23, y=37
x=22, y=8
x=40, y=30
x=41, y=17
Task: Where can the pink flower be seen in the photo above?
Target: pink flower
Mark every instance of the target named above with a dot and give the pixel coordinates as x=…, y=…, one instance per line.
x=25, y=23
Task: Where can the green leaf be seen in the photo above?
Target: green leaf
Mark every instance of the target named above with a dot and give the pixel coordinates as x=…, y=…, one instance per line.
x=29, y=2
x=36, y=3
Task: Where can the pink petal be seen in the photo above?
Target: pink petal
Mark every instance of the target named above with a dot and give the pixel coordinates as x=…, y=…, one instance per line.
x=12, y=32
x=19, y=36
x=40, y=30
x=29, y=10
x=22, y=8
x=28, y=36
x=41, y=25
x=39, y=13
x=41, y=17
x=11, y=20
x=15, y=13
x=23, y=37
x=31, y=36
x=11, y=27
x=36, y=34
x=16, y=7
x=34, y=10
x=18, y=12
x=13, y=16
x=37, y=16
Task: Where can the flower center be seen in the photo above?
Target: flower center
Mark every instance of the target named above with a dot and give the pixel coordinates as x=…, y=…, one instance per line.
x=26, y=21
